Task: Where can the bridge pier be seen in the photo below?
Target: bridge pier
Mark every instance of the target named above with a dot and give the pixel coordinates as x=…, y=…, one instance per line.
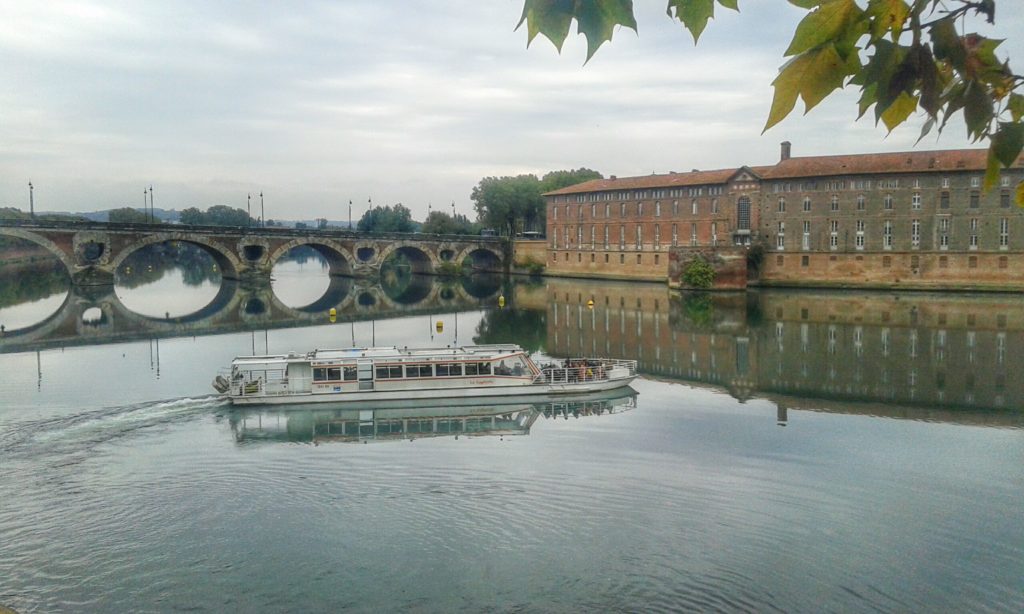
x=92, y=276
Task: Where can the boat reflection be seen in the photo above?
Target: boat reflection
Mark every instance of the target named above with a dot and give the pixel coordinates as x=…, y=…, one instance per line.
x=413, y=420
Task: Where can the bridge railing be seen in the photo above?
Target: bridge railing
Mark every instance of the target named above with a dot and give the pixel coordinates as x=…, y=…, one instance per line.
x=243, y=230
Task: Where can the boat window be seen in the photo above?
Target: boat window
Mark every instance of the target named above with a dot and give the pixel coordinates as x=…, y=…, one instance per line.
x=326, y=374
x=418, y=371
x=349, y=371
x=471, y=368
x=510, y=366
x=389, y=372
x=483, y=368
x=449, y=369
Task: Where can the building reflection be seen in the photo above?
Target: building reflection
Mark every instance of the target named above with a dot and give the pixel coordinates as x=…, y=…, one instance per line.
x=358, y=422
x=926, y=356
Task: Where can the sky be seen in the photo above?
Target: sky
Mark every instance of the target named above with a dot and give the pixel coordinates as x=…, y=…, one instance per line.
x=321, y=102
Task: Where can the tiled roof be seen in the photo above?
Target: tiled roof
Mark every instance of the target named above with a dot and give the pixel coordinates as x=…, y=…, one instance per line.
x=669, y=180
x=880, y=163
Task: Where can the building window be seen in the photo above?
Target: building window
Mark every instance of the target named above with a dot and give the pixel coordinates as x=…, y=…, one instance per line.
x=1004, y=233
x=806, y=241
x=888, y=201
x=833, y=234
x=554, y=212
x=944, y=200
x=975, y=182
x=606, y=236
x=607, y=210
x=675, y=235
x=917, y=184
x=622, y=237
x=972, y=262
x=593, y=211
x=675, y=207
x=859, y=238
x=945, y=182
x=887, y=235
x=693, y=207
x=714, y=233
x=807, y=204
x=1004, y=199
x=657, y=209
x=805, y=261
x=974, y=234
x=860, y=202
x=915, y=233
x=622, y=258
x=639, y=236
x=639, y=258
x=593, y=229
x=943, y=233
x=780, y=237
x=835, y=202
x=887, y=261
x=657, y=236
x=782, y=204
x=743, y=213
x=915, y=201
x=943, y=262
x=622, y=209
x=974, y=201
x=693, y=234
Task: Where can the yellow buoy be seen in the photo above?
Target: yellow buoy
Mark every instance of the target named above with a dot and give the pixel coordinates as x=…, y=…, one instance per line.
x=439, y=327
x=501, y=300
x=333, y=314
x=590, y=304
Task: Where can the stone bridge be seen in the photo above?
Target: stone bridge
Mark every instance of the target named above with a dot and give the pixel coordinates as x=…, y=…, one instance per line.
x=93, y=314
x=92, y=251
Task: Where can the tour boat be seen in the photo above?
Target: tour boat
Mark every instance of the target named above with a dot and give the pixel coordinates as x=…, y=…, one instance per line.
x=392, y=373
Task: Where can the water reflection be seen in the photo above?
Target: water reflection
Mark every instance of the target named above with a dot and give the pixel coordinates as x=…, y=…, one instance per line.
x=877, y=353
x=301, y=278
x=354, y=423
x=30, y=292
x=168, y=280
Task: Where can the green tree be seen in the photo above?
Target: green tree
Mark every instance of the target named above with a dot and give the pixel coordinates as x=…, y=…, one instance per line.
x=127, y=215
x=192, y=217
x=217, y=215
x=904, y=55
x=509, y=203
x=556, y=180
x=442, y=223
x=389, y=218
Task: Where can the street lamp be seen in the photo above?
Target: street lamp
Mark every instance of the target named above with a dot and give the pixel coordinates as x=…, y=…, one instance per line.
x=31, y=201
x=263, y=215
x=248, y=210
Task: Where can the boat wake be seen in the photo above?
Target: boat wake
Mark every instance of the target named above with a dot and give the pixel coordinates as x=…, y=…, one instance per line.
x=86, y=429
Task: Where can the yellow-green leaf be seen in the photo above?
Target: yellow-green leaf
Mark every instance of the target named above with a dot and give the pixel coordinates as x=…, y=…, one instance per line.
x=887, y=16
x=991, y=169
x=823, y=25
x=693, y=13
x=1020, y=194
x=899, y=110
x=811, y=76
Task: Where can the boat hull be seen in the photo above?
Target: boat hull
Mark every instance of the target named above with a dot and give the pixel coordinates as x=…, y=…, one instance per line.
x=508, y=394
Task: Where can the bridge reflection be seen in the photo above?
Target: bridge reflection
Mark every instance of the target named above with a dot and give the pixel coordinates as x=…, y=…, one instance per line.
x=415, y=421
x=95, y=314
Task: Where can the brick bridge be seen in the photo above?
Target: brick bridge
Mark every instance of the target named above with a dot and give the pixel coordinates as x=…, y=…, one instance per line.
x=94, y=314
x=92, y=251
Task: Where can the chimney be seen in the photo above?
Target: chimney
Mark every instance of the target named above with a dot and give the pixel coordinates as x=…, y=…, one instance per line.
x=786, y=147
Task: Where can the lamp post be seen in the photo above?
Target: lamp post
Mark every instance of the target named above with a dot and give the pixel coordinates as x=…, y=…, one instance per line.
x=350, y=219
x=31, y=201
x=263, y=215
x=145, y=201
x=248, y=210
x=152, y=209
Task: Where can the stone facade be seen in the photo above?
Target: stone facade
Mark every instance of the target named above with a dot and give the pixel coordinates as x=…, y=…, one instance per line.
x=918, y=219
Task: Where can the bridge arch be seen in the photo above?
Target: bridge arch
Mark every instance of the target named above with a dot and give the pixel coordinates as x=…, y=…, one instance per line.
x=338, y=258
x=422, y=260
x=488, y=258
x=229, y=264
x=62, y=255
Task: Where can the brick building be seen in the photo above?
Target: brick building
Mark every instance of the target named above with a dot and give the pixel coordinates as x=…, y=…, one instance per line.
x=916, y=219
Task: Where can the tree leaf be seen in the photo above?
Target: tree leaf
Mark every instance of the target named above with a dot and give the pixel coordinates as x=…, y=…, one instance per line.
x=597, y=21
x=548, y=17
x=887, y=16
x=693, y=13
x=811, y=76
x=991, y=169
x=730, y=4
x=947, y=43
x=1016, y=106
x=1020, y=194
x=824, y=24
x=1007, y=142
x=899, y=110
x=978, y=110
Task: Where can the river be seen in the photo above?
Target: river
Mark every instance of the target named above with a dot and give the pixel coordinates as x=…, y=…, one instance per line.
x=783, y=451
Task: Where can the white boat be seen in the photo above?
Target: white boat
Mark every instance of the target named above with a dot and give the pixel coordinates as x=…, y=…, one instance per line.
x=392, y=373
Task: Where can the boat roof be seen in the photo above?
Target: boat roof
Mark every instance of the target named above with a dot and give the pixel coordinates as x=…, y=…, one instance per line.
x=321, y=356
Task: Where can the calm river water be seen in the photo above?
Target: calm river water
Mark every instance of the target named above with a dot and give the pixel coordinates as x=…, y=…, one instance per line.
x=785, y=451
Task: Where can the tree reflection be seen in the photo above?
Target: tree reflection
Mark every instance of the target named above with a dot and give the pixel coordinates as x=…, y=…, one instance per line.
x=151, y=263
x=527, y=328
x=26, y=283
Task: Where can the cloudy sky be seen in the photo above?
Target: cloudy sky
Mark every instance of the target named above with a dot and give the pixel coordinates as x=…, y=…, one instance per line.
x=316, y=103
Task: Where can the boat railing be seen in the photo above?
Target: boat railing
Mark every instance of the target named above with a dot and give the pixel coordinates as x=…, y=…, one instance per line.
x=576, y=370
x=270, y=386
